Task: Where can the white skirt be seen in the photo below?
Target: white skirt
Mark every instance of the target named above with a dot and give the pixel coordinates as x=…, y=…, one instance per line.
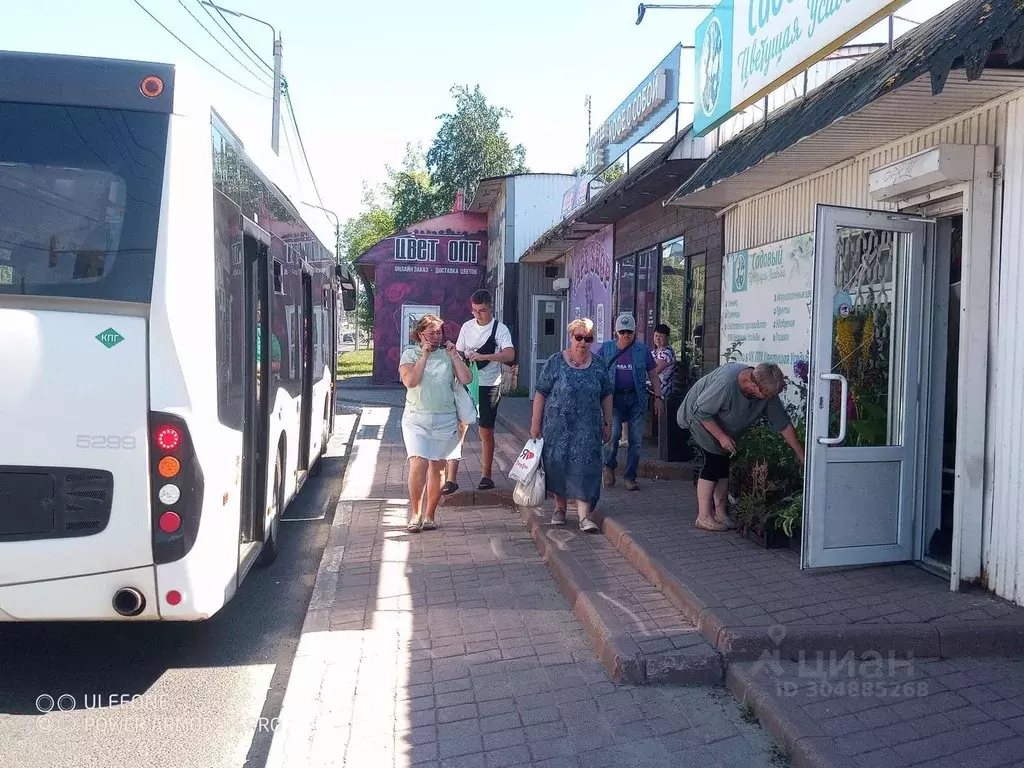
x=433, y=436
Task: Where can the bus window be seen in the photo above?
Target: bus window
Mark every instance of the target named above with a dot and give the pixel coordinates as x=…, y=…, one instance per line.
x=79, y=201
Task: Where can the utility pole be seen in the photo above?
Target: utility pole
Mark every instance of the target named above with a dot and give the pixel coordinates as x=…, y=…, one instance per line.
x=337, y=254
x=275, y=126
x=275, y=131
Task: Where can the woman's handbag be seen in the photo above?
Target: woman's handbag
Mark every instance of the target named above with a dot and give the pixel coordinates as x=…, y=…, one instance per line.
x=532, y=493
x=464, y=404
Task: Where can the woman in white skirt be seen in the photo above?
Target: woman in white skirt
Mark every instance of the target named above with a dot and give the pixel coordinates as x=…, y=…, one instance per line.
x=430, y=424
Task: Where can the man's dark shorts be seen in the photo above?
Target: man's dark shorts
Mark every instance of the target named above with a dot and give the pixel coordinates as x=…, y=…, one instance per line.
x=489, y=399
x=710, y=466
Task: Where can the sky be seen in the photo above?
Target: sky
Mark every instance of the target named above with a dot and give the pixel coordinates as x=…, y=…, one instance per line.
x=367, y=78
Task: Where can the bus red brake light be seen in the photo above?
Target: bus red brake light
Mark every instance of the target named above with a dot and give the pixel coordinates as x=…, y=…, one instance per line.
x=170, y=522
x=167, y=438
x=176, y=487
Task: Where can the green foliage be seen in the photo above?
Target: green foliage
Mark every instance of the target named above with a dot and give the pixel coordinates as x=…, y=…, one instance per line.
x=471, y=145
x=374, y=223
x=414, y=197
x=789, y=515
x=358, y=363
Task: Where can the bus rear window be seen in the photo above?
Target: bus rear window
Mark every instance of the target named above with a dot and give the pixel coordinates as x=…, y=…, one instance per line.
x=79, y=201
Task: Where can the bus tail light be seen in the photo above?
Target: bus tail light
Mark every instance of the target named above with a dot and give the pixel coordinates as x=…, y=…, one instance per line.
x=177, y=488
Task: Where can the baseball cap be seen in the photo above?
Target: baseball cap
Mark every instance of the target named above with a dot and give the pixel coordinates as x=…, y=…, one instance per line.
x=625, y=322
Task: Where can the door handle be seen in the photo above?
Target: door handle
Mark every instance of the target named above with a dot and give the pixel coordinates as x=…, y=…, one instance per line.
x=844, y=386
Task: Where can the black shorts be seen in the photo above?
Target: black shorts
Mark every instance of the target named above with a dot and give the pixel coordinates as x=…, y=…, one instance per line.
x=710, y=466
x=489, y=399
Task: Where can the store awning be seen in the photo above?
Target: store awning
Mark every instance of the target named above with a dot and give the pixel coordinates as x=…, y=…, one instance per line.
x=965, y=56
x=648, y=181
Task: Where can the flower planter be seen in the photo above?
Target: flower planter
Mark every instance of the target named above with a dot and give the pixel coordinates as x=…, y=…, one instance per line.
x=769, y=538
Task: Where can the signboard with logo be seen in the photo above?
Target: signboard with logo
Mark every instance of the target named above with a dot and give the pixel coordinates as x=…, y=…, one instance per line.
x=647, y=107
x=766, y=302
x=748, y=48
x=433, y=265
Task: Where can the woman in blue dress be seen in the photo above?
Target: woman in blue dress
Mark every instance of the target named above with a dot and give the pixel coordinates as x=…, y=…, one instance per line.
x=572, y=411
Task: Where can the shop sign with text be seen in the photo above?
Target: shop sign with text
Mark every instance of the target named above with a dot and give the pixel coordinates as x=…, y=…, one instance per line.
x=745, y=49
x=647, y=107
x=766, y=302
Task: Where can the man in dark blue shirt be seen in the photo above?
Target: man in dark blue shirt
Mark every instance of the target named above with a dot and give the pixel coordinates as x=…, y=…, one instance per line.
x=631, y=367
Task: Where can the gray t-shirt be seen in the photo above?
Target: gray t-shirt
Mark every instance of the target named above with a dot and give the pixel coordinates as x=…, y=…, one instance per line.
x=718, y=396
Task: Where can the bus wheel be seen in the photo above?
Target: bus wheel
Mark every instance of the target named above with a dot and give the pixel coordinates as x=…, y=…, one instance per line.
x=269, y=552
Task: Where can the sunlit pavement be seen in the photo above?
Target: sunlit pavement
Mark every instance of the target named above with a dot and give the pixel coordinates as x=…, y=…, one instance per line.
x=455, y=647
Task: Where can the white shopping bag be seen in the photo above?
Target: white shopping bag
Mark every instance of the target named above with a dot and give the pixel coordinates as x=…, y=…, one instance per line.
x=527, y=462
x=531, y=494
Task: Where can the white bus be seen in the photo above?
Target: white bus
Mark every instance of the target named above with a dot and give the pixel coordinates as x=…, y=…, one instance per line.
x=149, y=438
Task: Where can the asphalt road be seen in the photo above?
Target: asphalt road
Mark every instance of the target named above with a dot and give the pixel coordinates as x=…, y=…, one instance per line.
x=207, y=693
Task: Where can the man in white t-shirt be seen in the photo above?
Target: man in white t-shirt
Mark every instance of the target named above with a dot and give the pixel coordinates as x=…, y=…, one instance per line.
x=488, y=343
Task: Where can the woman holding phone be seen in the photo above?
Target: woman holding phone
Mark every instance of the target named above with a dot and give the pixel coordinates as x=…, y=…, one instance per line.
x=430, y=372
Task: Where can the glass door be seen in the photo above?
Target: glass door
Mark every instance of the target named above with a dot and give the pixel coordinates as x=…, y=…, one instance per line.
x=864, y=388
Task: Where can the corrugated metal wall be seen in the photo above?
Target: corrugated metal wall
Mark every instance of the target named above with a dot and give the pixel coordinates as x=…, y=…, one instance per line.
x=789, y=210
x=538, y=207
x=532, y=282
x=1004, y=547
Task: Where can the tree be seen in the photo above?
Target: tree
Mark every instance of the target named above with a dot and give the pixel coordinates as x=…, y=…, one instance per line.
x=413, y=195
x=373, y=224
x=358, y=235
x=471, y=145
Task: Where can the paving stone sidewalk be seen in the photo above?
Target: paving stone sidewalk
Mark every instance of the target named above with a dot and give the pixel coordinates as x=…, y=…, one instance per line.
x=874, y=713
x=456, y=649
x=736, y=590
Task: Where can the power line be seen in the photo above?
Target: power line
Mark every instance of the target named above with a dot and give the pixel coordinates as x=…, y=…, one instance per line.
x=298, y=135
x=253, y=57
x=216, y=39
x=197, y=54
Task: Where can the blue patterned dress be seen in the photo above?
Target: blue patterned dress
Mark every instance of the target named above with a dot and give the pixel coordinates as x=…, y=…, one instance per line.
x=572, y=426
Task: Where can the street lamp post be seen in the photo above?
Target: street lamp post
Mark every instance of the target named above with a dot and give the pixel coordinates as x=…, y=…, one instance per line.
x=642, y=9
x=275, y=127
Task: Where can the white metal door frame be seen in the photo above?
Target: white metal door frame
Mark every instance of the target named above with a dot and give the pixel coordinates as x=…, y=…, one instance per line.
x=825, y=451
x=972, y=499
x=414, y=309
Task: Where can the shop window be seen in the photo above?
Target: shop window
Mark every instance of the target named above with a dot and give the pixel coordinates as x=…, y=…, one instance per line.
x=646, y=311
x=672, y=307
x=695, y=292
x=625, y=283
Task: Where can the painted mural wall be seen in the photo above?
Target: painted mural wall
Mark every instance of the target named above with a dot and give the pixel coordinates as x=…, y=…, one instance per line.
x=591, y=285
x=430, y=267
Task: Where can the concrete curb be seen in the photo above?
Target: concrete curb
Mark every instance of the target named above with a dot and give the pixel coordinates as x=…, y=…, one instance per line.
x=807, y=745
x=494, y=498
x=618, y=653
x=740, y=642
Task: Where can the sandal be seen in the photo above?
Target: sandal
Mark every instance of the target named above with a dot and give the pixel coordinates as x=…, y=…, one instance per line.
x=714, y=526
x=486, y=484
x=449, y=488
x=415, y=526
x=429, y=525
